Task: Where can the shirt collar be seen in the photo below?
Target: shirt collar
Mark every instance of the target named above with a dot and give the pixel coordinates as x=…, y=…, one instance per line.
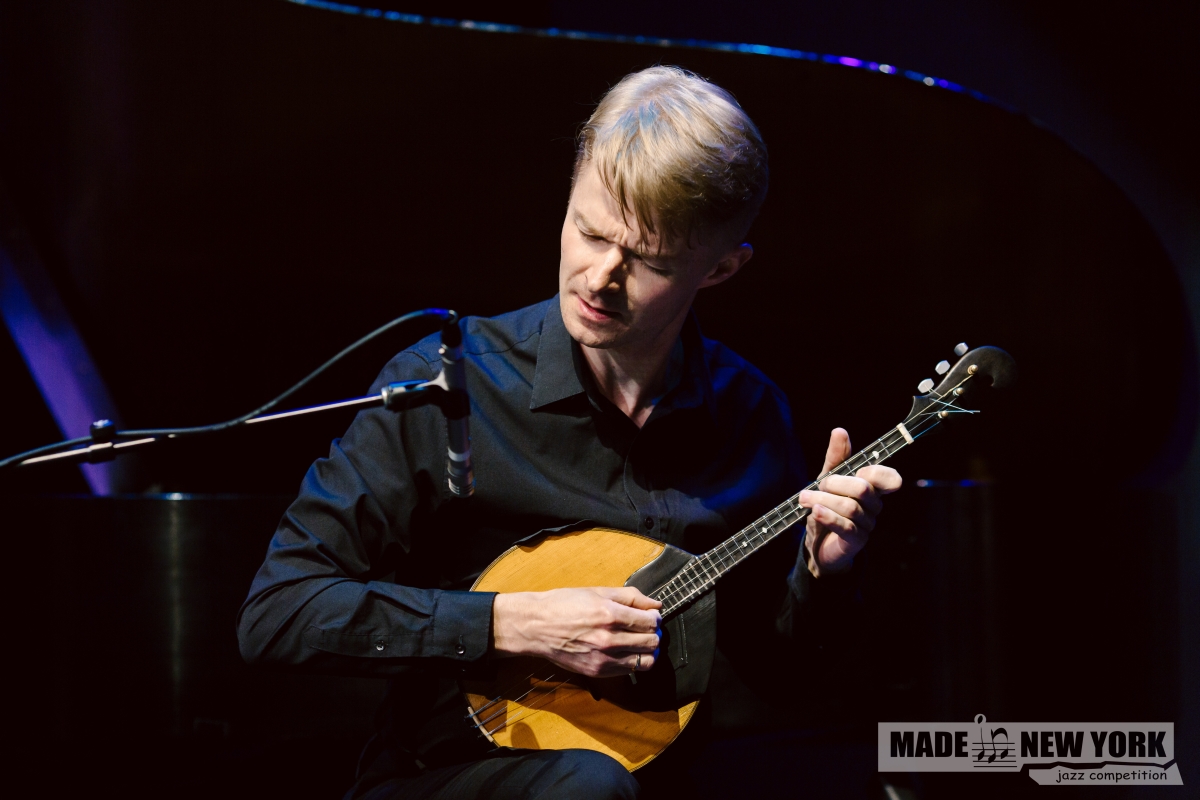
x=557, y=377
x=695, y=387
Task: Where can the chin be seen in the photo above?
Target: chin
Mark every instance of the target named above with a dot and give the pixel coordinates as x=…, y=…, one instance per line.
x=589, y=336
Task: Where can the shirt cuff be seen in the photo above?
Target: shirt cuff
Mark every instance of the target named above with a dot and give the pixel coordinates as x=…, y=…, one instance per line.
x=807, y=587
x=800, y=581
x=462, y=626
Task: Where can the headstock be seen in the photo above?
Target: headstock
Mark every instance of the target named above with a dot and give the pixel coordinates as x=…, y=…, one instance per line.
x=983, y=366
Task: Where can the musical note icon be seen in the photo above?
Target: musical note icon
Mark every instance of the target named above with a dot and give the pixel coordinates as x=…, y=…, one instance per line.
x=1004, y=752
x=1000, y=751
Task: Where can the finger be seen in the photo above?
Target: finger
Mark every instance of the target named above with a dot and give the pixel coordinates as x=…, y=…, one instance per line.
x=620, y=642
x=627, y=596
x=839, y=525
x=846, y=508
x=885, y=479
x=623, y=665
x=634, y=619
x=838, y=450
x=632, y=663
x=632, y=610
x=853, y=487
x=837, y=554
x=836, y=551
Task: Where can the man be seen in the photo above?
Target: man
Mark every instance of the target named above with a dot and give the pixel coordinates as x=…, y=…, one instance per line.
x=603, y=404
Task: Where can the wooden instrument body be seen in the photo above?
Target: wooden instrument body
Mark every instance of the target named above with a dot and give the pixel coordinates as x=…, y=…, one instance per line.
x=531, y=703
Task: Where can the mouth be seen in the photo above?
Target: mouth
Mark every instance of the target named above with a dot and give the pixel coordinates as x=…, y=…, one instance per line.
x=596, y=313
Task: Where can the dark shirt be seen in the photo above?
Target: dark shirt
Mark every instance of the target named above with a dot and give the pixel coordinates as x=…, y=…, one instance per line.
x=370, y=569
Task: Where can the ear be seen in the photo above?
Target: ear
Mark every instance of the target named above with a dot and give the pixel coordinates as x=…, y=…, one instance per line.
x=728, y=266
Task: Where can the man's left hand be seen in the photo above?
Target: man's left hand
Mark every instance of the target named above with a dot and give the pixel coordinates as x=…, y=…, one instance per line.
x=844, y=508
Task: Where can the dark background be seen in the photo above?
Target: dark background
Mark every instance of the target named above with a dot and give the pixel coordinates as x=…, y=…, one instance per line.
x=224, y=194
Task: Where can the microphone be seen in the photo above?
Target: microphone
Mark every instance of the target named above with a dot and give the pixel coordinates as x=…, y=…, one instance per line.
x=449, y=392
x=460, y=476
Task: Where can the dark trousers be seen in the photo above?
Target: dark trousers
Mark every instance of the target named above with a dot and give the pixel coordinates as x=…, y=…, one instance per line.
x=516, y=775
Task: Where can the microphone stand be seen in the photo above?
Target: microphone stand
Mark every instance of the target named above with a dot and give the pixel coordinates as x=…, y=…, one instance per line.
x=447, y=391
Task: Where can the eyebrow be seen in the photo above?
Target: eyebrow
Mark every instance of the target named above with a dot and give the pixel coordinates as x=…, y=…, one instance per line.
x=583, y=222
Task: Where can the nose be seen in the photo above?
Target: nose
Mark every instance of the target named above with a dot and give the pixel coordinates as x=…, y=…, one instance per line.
x=604, y=274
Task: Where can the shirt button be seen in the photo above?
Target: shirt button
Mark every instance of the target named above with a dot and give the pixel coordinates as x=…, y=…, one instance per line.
x=379, y=645
x=649, y=523
x=460, y=649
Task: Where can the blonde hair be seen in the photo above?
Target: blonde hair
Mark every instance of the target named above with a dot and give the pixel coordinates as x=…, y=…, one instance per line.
x=676, y=151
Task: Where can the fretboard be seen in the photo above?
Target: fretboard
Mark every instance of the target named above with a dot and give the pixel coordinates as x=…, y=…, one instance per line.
x=702, y=572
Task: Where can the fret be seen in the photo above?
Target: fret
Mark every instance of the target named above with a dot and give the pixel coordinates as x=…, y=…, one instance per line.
x=702, y=572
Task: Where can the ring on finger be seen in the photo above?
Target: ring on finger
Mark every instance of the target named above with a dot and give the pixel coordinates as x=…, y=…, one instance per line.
x=637, y=664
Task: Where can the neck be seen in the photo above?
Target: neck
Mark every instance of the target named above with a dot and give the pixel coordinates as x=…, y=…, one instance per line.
x=634, y=379
x=703, y=571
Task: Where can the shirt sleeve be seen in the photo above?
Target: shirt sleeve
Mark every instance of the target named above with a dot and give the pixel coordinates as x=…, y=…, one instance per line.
x=775, y=618
x=322, y=598
x=820, y=608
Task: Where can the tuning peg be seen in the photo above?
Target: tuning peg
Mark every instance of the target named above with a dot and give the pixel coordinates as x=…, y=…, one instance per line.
x=960, y=349
x=942, y=368
x=925, y=386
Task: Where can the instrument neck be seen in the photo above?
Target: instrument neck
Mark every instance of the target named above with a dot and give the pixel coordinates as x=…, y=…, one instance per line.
x=702, y=572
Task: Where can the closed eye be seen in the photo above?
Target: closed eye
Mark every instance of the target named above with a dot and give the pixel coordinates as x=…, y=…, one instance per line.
x=630, y=255
x=635, y=258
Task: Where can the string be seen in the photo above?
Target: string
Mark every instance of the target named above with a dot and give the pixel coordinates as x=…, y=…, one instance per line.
x=500, y=697
x=695, y=578
x=526, y=711
x=764, y=530
x=693, y=584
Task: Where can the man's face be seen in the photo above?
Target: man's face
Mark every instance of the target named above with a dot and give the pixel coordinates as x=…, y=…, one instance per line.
x=620, y=291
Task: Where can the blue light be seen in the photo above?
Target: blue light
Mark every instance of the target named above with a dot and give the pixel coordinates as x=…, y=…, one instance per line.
x=695, y=44
x=397, y=16
x=341, y=8
x=56, y=356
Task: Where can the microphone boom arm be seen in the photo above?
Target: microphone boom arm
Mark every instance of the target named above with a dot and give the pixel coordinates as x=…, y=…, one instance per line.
x=448, y=391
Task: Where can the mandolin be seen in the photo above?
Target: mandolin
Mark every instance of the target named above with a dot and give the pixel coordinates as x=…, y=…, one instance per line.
x=534, y=704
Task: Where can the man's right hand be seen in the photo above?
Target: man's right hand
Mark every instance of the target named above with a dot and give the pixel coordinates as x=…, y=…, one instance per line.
x=599, y=631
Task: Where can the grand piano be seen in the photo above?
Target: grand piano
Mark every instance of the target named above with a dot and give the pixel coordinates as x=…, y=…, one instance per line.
x=220, y=201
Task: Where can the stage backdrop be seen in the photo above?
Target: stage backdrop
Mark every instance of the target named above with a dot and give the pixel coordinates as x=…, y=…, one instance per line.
x=225, y=194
